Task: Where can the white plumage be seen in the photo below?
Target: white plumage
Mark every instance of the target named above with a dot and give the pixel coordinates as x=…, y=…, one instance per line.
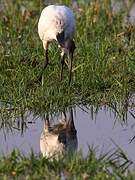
x=58, y=23
x=54, y=20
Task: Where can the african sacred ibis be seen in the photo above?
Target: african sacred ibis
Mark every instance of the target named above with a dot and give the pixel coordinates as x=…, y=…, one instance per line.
x=57, y=23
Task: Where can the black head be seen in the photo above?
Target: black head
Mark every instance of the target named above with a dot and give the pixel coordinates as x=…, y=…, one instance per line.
x=60, y=38
x=67, y=44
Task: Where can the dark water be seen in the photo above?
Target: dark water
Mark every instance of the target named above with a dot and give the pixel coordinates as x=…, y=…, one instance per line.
x=103, y=132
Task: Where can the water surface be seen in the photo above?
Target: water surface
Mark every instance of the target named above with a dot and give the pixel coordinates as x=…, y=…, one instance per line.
x=103, y=132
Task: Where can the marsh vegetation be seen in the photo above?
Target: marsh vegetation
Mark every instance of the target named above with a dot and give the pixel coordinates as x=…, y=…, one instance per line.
x=103, y=75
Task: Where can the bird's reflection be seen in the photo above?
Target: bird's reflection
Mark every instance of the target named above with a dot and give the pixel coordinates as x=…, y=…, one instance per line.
x=59, y=138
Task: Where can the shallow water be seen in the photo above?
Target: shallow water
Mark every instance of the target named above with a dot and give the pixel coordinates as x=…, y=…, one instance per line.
x=103, y=132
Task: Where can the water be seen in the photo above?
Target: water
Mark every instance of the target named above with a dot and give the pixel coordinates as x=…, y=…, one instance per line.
x=103, y=132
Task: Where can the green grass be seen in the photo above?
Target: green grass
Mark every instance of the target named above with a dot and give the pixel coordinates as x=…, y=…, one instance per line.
x=16, y=166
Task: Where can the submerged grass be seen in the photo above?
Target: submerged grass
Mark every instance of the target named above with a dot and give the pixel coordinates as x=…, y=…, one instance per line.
x=104, y=67
x=16, y=166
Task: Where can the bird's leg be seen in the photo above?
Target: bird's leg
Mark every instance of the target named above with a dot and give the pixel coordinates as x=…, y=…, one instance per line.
x=62, y=64
x=71, y=119
x=65, y=116
x=70, y=46
x=70, y=66
x=45, y=45
x=46, y=59
x=47, y=123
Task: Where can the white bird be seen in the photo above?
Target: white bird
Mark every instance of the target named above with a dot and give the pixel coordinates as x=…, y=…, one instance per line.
x=58, y=23
x=57, y=139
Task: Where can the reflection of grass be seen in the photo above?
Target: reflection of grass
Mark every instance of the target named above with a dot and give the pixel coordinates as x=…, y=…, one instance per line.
x=103, y=72
x=72, y=167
